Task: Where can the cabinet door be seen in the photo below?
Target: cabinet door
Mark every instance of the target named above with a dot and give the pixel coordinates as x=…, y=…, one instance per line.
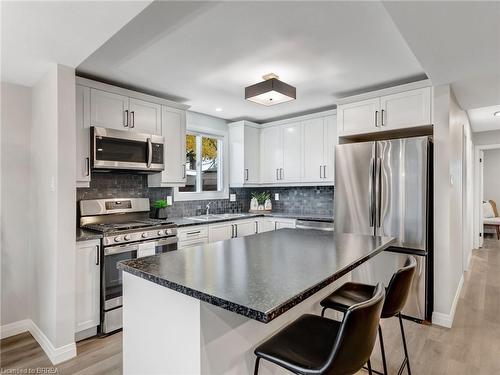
x=285, y=224
x=406, y=109
x=314, y=140
x=359, y=117
x=107, y=110
x=220, y=232
x=191, y=243
x=245, y=228
x=237, y=155
x=82, y=136
x=145, y=117
x=251, y=173
x=265, y=225
x=87, y=285
x=271, y=154
x=330, y=141
x=292, y=153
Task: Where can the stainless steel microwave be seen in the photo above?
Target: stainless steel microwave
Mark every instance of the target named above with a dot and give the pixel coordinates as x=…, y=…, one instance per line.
x=125, y=150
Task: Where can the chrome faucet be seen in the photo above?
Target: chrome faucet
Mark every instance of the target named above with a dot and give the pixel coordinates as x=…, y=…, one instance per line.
x=208, y=208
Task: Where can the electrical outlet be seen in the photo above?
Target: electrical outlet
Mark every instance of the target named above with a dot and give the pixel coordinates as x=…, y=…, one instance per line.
x=169, y=200
x=232, y=197
x=276, y=196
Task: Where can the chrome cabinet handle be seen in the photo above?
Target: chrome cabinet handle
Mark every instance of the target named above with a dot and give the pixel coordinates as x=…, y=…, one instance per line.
x=191, y=233
x=232, y=230
x=132, y=122
x=150, y=152
x=126, y=118
x=376, y=119
x=277, y=177
x=235, y=230
x=324, y=171
x=246, y=174
x=97, y=255
x=382, y=118
x=282, y=173
x=320, y=171
x=256, y=227
x=183, y=166
x=87, y=166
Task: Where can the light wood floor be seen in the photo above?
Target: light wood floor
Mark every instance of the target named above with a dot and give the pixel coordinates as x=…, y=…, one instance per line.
x=472, y=346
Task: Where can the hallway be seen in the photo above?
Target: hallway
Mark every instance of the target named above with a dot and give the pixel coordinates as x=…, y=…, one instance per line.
x=472, y=346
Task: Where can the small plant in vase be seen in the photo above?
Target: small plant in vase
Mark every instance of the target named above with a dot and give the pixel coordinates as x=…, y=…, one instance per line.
x=263, y=200
x=159, y=207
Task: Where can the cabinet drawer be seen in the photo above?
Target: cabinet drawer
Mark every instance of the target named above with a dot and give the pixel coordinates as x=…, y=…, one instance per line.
x=193, y=242
x=192, y=232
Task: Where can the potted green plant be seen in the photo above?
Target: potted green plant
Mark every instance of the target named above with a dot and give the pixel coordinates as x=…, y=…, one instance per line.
x=159, y=209
x=261, y=199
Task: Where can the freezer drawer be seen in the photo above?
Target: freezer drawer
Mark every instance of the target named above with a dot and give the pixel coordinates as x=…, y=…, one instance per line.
x=381, y=268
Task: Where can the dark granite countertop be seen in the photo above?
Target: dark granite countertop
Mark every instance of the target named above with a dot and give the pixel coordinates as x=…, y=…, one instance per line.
x=185, y=222
x=259, y=276
x=87, y=234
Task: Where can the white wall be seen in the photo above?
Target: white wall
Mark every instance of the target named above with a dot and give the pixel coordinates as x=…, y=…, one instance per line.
x=487, y=138
x=491, y=179
x=201, y=122
x=53, y=204
x=17, y=265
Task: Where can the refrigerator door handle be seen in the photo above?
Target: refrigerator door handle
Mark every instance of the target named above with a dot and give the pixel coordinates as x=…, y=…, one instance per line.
x=370, y=192
x=378, y=192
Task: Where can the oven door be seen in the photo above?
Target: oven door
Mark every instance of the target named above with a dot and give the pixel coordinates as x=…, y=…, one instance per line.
x=118, y=149
x=111, y=276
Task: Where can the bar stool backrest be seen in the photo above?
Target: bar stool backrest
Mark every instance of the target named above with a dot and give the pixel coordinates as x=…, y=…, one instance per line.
x=356, y=337
x=399, y=288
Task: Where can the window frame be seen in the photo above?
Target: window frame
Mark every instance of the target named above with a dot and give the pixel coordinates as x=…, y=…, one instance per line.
x=222, y=167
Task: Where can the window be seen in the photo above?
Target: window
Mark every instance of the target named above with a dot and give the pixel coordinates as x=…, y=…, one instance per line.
x=204, y=170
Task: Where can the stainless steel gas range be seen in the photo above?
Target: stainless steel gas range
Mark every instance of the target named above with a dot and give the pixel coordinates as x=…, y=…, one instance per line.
x=128, y=233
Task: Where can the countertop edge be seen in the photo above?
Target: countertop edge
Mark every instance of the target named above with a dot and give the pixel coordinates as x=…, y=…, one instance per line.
x=261, y=316
x=184, y=222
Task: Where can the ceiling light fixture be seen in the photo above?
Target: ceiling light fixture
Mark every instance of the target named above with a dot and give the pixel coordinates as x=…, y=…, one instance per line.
x=496, y=114
x=218, y=109
x=271, y=91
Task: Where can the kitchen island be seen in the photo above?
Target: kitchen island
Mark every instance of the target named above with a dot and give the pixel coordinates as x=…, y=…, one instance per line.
x=202, y=310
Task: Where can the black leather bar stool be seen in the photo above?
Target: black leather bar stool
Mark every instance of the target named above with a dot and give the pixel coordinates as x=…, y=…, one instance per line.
x=316, y=345
x=396, y=295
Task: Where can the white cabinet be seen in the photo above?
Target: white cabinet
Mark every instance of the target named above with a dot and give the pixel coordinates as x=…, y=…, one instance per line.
x=192, y=236
x=271, y=157
x=110, y=110
x=87, y=284
x=265, y=225
x=319, y=144
x=291, y=170
x=82, y=136
x=145, y=117
x=284, y=223
x=406, y=109
x=399, y=110
x=245, y=227
x=244, y=148
x=173, y=129
x=220, y=232
x=359, y=117
x=192, y=243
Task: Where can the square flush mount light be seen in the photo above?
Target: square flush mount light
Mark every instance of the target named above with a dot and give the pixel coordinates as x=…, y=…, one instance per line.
x=271, y=91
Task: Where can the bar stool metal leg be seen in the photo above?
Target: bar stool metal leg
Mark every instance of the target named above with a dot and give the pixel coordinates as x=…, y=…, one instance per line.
x=369, y=364
x=382, y=348
x=323, y=311
x=256, y=370
x=406, y=361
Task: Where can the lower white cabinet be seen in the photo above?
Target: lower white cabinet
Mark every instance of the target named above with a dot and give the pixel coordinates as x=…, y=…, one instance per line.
x=245, y=227
x=87, y=283
x=190, y=243
x=192, y=236
x=285, y=223
x=267, y=224
x=220, y=232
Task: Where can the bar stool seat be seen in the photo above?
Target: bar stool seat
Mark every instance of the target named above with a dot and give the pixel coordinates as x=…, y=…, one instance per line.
x=347, y=295
x=306, y=343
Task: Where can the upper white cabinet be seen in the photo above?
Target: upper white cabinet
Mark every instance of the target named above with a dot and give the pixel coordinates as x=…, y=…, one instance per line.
x=244, y=148
x=398, y=110
x=82, y=136
x=406, y=109
x=87, y=283
x=173, y=128
x=271, y=155
x=319, y=145
x=291, y=171
x=145, y=117
x=110, y=110
x=359, y=117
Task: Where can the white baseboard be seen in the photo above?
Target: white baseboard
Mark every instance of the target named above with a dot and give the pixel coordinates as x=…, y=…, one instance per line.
x=15, y=328
x=56, y=355
x=446, y=320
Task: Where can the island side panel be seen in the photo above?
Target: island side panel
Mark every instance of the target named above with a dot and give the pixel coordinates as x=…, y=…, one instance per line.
x=228, y=339
x=161, y=329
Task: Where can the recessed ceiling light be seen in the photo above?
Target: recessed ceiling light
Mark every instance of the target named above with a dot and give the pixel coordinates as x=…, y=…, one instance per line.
x=271, y=91
x=218, y=109
x=496, y=114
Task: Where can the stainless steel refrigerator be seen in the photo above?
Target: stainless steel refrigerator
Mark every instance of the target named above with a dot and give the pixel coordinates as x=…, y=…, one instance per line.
x=382, y=188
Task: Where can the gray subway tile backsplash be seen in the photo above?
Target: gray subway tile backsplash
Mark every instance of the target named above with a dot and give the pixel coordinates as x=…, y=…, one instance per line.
x=299, y=200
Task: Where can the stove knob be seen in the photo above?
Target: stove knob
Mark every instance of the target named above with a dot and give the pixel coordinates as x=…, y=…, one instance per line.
x=144, y=235
x=117, y=239
x=126, y=237
x=168, y=231
x=160, y=233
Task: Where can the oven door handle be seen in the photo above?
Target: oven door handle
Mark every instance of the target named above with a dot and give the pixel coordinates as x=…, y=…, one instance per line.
x=112, y=250
x=161, y=242
x=150, y=152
